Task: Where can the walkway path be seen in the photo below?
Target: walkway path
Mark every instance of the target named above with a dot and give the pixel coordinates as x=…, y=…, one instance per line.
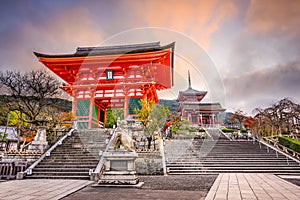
x=229, y=186
x=40, y=188
x=252, y=186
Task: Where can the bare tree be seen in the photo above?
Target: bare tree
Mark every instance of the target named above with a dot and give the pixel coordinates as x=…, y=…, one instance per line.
x=32, y=92
x=283, y=116
x=240, y=116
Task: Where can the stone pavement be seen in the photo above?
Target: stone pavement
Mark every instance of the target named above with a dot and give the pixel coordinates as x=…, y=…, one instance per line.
x=252, y=186
x=40, y=188
x=227, y=186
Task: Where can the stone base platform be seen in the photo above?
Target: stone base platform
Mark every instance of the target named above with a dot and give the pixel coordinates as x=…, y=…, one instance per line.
x=119, y=178
x=138, y=185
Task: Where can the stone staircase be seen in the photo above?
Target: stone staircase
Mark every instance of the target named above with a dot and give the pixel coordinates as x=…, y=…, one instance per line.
x=74, y=158
x=222, y=156
x=215, y=134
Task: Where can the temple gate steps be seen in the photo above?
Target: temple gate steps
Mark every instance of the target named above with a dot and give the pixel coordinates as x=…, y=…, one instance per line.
x=224, y=156
x=74, y=158
x=215, y=133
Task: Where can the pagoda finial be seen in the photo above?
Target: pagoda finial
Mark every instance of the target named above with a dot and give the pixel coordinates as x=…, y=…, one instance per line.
x=189, y=77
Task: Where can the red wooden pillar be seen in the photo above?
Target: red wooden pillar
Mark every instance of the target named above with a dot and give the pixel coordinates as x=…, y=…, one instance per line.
x=91, y=108
x=125, y=103
x=74, y=107
x=125, y=107
x=104, y=121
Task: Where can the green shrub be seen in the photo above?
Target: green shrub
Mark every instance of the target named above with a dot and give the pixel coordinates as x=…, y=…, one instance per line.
x=283, y=141
x=201, y=130
x=244, y=130
x=227, y=130
x=285, y=133
x=290, y=143
x=192, y=129
x=190, y=134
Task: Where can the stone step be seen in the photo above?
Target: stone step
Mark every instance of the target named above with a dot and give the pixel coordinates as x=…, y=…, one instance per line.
x=277, y=164
x=258, y=168
x=53, y=159
x=199, y=157
x=64, y=163
x=74, y=158
x=37, y=170
x=54, y=166
x=191, y=162
x=245, y=166
x=59, y=177
x=75, y=151
x=186, y=157
x=88, y=154
x=183, y=162
x=63, y=173
x=72, y=147
x=232, y=171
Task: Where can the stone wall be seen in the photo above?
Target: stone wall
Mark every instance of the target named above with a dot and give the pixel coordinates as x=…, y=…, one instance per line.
x=149, y=163
x=21, y=158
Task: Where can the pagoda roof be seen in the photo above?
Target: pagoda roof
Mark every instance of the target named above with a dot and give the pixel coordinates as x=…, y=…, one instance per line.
x=190, y=92
x=191, y=95
x=111, y=50
x=201, y=107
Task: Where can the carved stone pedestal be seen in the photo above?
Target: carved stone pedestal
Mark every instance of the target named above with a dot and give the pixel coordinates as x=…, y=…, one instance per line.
x=119, y=169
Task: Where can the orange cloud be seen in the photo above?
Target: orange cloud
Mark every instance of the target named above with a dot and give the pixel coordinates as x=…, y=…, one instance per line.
x=274, y=16
x=197, y=19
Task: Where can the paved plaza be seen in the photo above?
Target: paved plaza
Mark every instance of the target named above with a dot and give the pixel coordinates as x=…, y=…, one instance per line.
x=229, y=186
x=40, y=188
x=252, y=186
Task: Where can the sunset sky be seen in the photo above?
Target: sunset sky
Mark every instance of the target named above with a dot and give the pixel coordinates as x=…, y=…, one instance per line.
x=247, y=50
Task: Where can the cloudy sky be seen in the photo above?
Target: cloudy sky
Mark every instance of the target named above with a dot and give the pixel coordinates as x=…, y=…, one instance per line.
x=246, y=51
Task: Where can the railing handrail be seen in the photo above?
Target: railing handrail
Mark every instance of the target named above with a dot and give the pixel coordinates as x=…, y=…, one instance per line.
x=26, y=145
x=279, y=151
x=10, y=169
x=275, y=143
x=227, y=136
x=204, y=128
x=29, y=169
x=96, y=173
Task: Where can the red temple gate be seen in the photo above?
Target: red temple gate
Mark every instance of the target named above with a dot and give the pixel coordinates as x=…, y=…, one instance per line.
x=108, y=77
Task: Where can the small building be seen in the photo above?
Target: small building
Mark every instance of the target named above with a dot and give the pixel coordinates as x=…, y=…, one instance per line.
x=191, y=108
x=10, y=140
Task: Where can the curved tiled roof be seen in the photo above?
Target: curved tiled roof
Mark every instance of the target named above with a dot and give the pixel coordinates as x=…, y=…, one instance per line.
x=111, y=50
x=191, y=91
x=202, y=107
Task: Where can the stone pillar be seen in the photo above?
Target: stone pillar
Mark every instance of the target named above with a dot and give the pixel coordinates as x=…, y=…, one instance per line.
x=40, y=142
x=212, y=120
x=216, y=120
x=201, y=119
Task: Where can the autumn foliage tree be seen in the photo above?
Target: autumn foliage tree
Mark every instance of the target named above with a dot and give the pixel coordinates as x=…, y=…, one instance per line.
x=153, y=117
